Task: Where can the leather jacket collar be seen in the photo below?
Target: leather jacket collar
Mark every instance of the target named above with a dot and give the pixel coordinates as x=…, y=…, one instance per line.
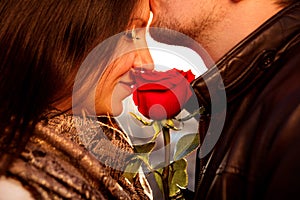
x=250, y=59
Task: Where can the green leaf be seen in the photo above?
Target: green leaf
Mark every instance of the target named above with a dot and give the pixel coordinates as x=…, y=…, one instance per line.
x=158, y=179
x=200, y=111
x=157, y=129
x=136, y=162
x=144, y=148
x=144, y=122
x=169, y=123
x=178, y=176
x=142, y=155
x=132, y=169
x=186, y=145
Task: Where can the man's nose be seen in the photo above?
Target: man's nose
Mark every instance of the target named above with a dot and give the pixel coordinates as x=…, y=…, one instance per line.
x=143, y=59
x=153, y=4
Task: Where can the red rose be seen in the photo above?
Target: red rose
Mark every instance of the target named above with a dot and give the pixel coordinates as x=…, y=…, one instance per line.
x=161, y=95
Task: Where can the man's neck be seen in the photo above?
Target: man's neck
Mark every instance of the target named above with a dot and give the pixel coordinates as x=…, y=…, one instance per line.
x=241, y=20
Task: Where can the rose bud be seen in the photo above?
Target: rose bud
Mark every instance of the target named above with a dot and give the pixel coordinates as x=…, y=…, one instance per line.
x=162, y=95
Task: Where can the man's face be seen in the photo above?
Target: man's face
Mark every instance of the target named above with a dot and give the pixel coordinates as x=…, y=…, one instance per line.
x=194, y=18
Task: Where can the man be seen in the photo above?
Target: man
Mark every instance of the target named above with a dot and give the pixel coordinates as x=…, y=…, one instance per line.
x=256, y=47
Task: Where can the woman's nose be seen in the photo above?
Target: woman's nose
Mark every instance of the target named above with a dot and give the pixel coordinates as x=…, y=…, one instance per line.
x=143, y=59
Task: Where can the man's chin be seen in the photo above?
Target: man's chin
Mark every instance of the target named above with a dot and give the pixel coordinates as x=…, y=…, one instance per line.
x=172, y=37
x=169, y=36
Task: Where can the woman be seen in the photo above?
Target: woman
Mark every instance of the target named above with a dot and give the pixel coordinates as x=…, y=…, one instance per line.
x=63, y=76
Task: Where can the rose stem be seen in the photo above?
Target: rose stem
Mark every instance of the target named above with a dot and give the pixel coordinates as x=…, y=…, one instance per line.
x=165, y=173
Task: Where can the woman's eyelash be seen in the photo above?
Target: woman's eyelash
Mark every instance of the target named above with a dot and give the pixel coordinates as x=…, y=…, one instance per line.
x=131, y=35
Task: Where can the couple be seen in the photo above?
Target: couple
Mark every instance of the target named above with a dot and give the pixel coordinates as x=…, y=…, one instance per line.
x=63, y=62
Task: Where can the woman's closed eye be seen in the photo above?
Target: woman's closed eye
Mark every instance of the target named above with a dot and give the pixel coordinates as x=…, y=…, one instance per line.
x=131, y=34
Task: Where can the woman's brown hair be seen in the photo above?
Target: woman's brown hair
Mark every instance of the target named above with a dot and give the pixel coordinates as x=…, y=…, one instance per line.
x=42, y=44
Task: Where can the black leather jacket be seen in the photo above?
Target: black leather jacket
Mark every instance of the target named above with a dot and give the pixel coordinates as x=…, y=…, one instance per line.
x=257, y=155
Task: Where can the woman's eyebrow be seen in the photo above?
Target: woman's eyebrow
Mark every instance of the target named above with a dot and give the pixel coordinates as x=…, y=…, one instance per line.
x=142, y=22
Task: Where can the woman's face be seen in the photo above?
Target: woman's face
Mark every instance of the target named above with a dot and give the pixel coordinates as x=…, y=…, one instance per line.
x=117, y=80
